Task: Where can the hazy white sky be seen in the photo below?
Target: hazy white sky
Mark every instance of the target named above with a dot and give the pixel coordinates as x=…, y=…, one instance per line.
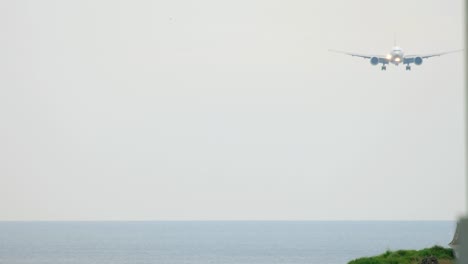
x=160, y=110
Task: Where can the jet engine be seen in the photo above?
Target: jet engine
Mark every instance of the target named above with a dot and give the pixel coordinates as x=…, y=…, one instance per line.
x=374, y=60
x=418, y=60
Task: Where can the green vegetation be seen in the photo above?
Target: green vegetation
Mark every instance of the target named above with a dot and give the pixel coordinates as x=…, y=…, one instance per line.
x=443, y=255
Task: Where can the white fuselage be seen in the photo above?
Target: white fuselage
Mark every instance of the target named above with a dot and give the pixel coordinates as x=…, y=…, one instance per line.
x=396, y=56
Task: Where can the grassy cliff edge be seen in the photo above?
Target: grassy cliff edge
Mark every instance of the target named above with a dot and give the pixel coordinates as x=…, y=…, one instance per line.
x=443, y=255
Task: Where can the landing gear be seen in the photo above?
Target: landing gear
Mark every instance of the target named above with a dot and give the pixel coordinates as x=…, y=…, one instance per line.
x=384, y=68
x=408, y=68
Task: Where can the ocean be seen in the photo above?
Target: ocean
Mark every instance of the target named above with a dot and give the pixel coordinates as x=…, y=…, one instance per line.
x=240, y=242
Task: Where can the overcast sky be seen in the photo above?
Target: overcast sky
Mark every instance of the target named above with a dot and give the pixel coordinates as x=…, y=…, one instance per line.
x=196, y=110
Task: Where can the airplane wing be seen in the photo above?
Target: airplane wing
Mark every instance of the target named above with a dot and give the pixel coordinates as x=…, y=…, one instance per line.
x=353, y=54
x=411, y=58
x=381, y=59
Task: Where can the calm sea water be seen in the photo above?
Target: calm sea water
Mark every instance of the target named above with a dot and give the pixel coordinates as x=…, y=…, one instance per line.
x=211, y=242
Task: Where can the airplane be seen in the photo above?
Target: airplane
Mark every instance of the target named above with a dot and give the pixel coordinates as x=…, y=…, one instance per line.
x=396, y=56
